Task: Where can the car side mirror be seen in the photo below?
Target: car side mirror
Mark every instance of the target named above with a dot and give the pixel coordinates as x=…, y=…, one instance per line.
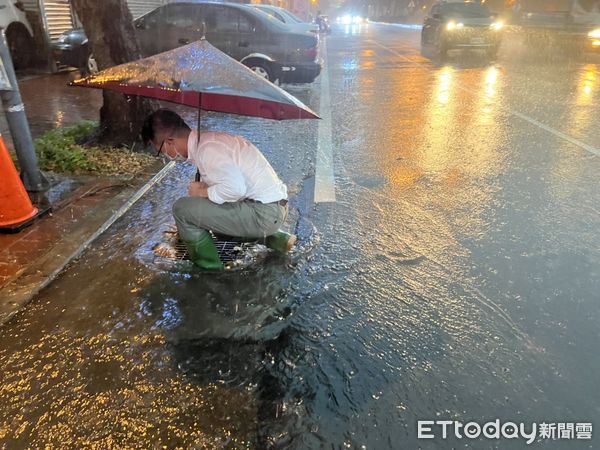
x=140, y=24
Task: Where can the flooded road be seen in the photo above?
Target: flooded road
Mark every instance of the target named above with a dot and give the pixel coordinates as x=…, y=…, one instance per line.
x=457, y=277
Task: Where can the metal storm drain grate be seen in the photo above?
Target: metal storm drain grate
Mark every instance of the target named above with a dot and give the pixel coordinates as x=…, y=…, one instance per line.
x=229, y=248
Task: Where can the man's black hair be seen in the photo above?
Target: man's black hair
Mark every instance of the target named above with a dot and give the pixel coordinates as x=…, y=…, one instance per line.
x=162, y=120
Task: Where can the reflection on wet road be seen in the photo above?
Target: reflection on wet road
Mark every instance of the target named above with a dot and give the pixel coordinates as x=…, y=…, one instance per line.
x=457, y=277
x=50, y=103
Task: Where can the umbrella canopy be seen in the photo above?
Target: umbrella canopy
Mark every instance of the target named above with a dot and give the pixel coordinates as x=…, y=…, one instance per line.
x=201, y=76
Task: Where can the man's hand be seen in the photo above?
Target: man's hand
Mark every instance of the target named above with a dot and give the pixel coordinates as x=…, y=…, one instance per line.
x=198, y=189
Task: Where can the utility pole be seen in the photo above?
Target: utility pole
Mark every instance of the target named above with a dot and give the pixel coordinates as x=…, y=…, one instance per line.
x=14, y=109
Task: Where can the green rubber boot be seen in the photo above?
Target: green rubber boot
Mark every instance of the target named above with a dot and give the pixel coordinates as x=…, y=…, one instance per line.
x=203, y=253
x=281, y=241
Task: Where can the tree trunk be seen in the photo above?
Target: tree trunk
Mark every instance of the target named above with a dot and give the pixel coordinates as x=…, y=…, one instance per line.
x=108, y=25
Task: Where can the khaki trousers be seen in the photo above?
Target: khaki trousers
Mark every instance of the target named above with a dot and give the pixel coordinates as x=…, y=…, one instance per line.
x=194, y=215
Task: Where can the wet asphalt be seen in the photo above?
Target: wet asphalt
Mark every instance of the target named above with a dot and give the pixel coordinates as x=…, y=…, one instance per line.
x=457, y=277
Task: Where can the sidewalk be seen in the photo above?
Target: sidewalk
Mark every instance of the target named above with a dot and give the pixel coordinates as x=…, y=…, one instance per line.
x=17, y=251
x=82, y=206
x=31, y=259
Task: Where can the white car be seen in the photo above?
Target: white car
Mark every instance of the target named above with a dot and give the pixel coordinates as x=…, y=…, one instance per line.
x=19, y=33
x=293, y=22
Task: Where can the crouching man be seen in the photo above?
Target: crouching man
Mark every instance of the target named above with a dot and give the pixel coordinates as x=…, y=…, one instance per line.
x=239, y=193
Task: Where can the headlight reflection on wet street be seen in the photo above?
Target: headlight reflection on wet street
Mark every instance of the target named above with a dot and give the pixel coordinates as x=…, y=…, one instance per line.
x=456, y=277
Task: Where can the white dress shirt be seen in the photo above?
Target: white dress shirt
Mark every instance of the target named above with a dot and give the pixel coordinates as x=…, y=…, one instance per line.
x=234, y=169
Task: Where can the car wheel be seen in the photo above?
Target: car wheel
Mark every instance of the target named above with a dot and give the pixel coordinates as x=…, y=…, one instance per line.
x=21, y=46
x=261, y=69
x=91, y=66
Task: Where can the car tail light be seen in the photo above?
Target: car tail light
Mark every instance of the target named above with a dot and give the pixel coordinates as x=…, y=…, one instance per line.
x=20, y=5
x=311, y=53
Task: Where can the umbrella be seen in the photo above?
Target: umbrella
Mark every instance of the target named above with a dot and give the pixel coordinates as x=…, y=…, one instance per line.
x=201, y=76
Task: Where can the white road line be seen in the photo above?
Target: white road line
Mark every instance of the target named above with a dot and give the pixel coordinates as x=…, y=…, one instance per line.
x=518, y=114
x=324, y=178
x=406, y=26
x=557, y=133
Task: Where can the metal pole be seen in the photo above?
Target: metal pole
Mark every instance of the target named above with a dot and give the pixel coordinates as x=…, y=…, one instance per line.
x=14, y=109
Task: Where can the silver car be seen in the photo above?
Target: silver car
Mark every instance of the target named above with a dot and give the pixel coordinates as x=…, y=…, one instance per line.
x=293, y=22
x=19, y=34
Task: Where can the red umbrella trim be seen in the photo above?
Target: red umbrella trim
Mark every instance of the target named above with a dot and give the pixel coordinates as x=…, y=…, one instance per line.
x=211, y=101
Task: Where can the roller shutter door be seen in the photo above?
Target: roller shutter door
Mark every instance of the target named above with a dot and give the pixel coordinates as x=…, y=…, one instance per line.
x=140, y=7
x=58, y=17
x=31, y=5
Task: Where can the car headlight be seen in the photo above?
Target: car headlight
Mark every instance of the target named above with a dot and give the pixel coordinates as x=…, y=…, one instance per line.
x=594, y=34
x=346, y=20
x=452, y=25
x=497, y=25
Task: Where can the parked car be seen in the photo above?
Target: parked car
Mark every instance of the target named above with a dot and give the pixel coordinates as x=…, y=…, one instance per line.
x=19, y=33
x=259, y=41
x=288, y=18
x=72, y=49
x=461, y=25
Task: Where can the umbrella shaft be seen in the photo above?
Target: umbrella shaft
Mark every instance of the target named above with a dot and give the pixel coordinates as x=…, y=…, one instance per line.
x=198, y=129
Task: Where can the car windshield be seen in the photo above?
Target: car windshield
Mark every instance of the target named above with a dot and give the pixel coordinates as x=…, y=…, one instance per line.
x=273, y=14
x=279, y=13
x=288, y=14
x=266, y=16
x=465, y=10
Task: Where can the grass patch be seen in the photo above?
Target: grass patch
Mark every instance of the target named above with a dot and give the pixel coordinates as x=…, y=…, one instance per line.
x=60, y=151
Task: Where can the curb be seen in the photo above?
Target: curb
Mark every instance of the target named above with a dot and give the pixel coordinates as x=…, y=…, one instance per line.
x=20, y=291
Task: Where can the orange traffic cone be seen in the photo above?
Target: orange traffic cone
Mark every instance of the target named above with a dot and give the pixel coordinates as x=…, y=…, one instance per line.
x=16, y=210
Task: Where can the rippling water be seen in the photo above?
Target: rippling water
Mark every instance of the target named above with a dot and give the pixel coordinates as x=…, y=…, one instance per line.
x=443, y=285
x=349, y=341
